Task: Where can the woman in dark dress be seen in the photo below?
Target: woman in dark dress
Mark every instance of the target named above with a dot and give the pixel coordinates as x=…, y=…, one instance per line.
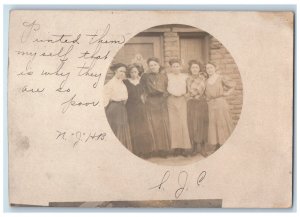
x=197, y=108
x=115, y=97
x=141, y=137
x=155, y=86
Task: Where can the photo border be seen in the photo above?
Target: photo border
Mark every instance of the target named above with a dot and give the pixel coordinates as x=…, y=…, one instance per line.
x=234, y=7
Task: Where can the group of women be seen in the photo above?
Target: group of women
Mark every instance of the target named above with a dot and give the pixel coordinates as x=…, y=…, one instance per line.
x=159, y=113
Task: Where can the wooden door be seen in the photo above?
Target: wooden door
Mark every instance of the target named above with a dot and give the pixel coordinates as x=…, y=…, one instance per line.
x=139, y=49
x=193, y=48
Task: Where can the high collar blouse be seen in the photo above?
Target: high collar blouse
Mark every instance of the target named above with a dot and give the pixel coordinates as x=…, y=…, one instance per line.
x=177, y=84
x=115, y=90
x=196, y=86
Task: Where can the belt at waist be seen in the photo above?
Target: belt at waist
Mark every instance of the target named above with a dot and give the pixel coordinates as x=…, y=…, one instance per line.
x=170, y=95
x=122, y=101
x=218, y=98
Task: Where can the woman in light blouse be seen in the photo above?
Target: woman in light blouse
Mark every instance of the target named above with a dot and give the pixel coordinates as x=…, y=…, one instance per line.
x=177, y=107
x=115, y=97
x=220, y=121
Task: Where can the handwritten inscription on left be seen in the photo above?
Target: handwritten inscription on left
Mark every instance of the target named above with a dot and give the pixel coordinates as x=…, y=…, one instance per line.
x=71, y=55
x=53, y=63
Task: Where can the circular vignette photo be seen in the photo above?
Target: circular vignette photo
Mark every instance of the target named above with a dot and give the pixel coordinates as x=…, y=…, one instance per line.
x=173, y=95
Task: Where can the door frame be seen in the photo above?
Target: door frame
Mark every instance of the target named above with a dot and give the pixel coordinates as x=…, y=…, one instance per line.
x=158, y=48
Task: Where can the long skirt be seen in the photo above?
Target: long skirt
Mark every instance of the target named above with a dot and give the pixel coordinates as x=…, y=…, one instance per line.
x=116, y=114
x=220, y=122
x=197, y=117
x=141, y=137
x=177, y=107
x=158, y=120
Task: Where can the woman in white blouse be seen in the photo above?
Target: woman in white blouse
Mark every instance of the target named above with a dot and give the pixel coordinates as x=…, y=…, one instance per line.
x=115, y=97
x=177, y=107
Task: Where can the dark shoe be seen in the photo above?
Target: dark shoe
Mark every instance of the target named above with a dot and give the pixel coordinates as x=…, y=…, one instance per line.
x=176, y=152
x=163, y=154
x=217, y=147
x=209, y=149
x=203, y=153
x=184, y=153
x=146, y=155
x=194, y=153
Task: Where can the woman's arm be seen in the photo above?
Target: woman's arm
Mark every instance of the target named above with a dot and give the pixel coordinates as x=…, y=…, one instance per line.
x=149, y=85
x=107, y=93
x=230, y=84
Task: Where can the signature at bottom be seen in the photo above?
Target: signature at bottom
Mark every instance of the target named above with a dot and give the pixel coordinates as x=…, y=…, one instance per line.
x=182, y=179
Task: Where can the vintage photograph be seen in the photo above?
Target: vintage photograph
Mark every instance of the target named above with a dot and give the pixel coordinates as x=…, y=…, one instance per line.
x=156, y=109
x=173, y=94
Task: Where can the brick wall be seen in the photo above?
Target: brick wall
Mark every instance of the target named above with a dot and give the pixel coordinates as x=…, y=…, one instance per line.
x=171, y=46
x=219, y=55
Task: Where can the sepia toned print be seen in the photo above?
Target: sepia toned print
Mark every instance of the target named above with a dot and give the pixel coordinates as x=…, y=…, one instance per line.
x=187, y=109
x=188, y=93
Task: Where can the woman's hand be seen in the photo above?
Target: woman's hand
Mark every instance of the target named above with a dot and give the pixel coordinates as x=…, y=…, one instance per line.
x=143, y=98
x=226, y=93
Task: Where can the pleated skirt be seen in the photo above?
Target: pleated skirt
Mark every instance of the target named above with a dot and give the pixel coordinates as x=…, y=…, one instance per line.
x=197, y=115
x=220, y=122
x=116, y=114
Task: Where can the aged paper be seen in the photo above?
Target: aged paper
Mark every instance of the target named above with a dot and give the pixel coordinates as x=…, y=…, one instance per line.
x=74, y=136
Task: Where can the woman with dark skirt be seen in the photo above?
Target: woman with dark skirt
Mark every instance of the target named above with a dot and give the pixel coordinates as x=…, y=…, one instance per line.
x=155, y=84
x=141, y=137
x=115, y=97
x=197, y=108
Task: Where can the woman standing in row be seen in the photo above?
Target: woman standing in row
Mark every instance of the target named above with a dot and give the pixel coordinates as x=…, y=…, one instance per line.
x=177, y=108
x=220, y=122
x=115, y=97
x=141, y=137
x=197, y=108
x=155, y=84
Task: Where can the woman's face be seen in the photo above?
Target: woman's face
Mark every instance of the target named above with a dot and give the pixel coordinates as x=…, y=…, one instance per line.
x=134, y=73
x=176, y=68
x=154, y=66
x=120, y=73
x=202, y=76
x=195, y=69
x=210, y=69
